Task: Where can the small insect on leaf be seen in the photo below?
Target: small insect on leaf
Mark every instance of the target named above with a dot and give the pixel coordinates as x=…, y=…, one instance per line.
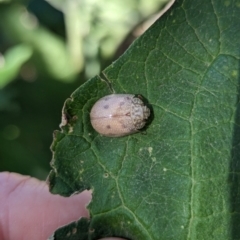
x=118, y=115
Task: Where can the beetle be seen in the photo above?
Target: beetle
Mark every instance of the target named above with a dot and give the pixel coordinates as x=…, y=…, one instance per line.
x=118, y=115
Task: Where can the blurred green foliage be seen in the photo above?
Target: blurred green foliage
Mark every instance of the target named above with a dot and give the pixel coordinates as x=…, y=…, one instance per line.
x=47, y=49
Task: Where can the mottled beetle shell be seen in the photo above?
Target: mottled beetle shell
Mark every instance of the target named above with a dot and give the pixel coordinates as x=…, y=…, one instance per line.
x=118, y=115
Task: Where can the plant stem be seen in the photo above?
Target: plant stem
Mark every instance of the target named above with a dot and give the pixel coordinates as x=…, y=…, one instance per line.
x=73, y=31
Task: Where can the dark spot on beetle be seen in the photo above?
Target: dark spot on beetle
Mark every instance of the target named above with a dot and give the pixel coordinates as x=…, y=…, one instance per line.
x=106, y=106
x=108, y=126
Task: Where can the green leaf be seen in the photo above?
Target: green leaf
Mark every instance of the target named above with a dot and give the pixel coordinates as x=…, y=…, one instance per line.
x=13, y=59
x=180, y=179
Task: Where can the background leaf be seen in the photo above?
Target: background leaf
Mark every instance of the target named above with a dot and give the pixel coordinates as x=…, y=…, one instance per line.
x=49, y=49
x=12, y=62
x=180, y=179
